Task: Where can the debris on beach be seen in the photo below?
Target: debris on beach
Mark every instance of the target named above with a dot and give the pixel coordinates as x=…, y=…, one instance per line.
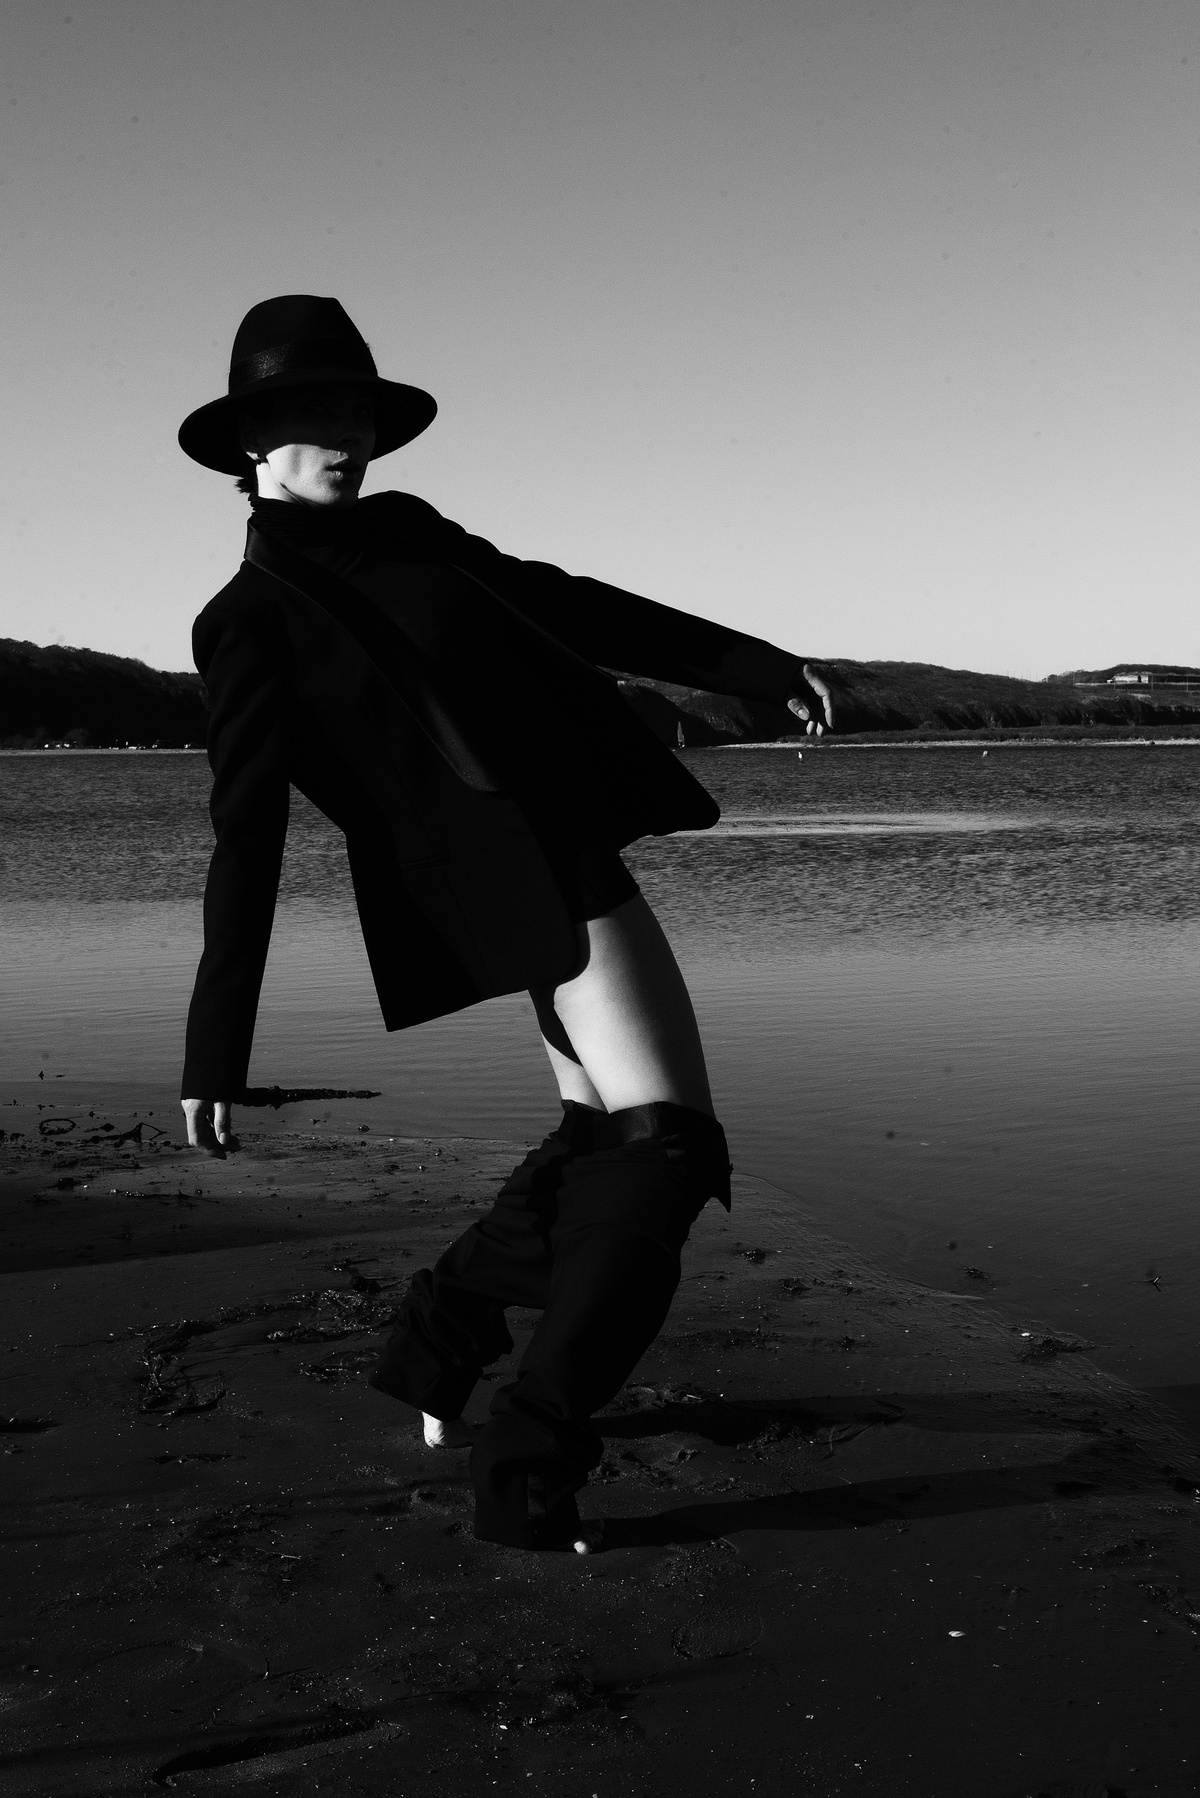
x=284, y=1579
x=336, y=1312
x=276, y=1096
x=1045, y=1347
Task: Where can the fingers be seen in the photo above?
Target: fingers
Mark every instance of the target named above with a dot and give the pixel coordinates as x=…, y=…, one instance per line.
x=208, y=1126
x=811, y=724
x=223, y=1124
x=199, y=1125
x=823, y=690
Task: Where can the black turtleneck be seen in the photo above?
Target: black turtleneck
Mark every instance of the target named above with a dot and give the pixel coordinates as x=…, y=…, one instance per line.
x=311, y=527
x=385, y=527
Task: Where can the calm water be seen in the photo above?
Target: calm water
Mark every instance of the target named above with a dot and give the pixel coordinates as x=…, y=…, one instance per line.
x=947, y=998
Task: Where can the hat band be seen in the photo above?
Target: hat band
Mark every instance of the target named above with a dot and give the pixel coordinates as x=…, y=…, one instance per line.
x=294, y=358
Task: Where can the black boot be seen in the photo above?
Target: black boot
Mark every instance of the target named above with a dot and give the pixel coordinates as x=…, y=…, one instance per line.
x=450, y=1324
x=615, y=1224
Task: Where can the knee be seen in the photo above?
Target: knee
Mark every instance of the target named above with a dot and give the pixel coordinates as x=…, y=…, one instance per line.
x=465, y=1325
x=537, y=1420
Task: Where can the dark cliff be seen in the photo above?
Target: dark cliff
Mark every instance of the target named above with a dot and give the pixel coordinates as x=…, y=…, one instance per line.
x=83, y=698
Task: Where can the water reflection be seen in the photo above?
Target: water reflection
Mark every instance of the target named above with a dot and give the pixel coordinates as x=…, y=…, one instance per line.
x=946, y=998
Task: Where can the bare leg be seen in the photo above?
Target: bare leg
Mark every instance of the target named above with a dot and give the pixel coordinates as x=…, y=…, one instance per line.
x=573, y=1083
x=622, y=1031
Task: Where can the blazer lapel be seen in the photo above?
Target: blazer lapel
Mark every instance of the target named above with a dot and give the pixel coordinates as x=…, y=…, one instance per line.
x=414, y=681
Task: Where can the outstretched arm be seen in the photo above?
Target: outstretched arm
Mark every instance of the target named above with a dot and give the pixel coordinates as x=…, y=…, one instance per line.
x=618, y=630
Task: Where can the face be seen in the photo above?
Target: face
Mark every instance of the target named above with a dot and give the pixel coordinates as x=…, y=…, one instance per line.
x=312, y=445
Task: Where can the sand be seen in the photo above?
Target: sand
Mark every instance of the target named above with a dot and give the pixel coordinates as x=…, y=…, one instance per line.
x=869, y=1538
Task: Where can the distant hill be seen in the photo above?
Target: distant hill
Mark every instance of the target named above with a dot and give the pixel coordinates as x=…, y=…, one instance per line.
x=82, y=698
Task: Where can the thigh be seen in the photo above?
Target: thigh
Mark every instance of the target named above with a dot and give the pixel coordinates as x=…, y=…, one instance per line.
x=627, y=1016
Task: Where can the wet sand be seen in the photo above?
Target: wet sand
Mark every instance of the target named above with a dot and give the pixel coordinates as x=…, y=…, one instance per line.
x=869, y=1537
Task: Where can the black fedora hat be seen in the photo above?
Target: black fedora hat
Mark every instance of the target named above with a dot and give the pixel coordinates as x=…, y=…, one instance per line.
x=298, y=340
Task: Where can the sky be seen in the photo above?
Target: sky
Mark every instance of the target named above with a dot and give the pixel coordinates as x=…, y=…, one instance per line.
x=869, y=328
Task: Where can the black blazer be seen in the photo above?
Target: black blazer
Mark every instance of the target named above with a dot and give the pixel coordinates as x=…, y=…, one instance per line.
x=445, y=706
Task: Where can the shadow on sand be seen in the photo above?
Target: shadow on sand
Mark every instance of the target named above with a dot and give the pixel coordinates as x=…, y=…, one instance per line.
x=1105, y=1462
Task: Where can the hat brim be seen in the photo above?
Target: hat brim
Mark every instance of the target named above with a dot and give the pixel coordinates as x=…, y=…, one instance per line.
x=210, y=434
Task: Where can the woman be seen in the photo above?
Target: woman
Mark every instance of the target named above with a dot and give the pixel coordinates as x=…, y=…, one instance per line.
x=444, y=704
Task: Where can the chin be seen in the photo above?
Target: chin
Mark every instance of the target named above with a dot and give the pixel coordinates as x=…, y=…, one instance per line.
x=329, y=494
x=343, y=493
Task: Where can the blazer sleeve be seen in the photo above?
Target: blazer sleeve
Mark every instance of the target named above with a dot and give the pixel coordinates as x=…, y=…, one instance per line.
x=619, y=630
x=240, y=662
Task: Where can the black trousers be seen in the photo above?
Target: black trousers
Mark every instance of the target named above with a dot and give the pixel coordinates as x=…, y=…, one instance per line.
x=588, y=1230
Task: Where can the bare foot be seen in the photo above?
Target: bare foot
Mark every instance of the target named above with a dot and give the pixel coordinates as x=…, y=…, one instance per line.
x=590, y=1539
x=449, y=1432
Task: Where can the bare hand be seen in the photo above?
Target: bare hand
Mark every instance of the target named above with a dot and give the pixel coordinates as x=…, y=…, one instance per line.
x=804, y=703
x=210, y=1126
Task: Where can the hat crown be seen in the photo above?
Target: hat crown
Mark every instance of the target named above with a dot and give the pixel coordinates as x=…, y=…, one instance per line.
x=299, y=340
x=296, y=331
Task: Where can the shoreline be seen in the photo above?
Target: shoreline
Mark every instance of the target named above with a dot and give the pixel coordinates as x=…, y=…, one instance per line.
x=869, y=1535
x=955, y=740
x=964, y=741
x=113, y=749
